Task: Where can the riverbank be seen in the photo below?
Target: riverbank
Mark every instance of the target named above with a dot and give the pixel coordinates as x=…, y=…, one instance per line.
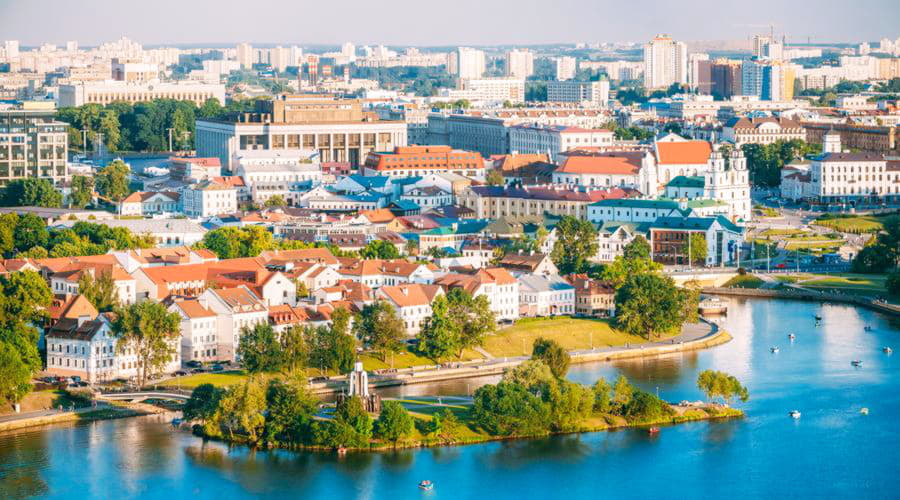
x=470, y=436
x=107, y=412
x=807, y=295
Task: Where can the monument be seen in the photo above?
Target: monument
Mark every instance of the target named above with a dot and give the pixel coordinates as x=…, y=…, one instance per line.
x=358, y=382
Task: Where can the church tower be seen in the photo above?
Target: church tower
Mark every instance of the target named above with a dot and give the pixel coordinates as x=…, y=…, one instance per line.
x=831, y=143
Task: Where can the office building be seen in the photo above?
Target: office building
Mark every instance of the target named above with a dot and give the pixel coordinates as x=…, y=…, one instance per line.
x=593, y=93
x=566, y=67
x=467, y=63
x=489, y=90
x=553, y=140
x=767, y=47
x=665, y=63
x=32, y=143
x=77, y=94
x=700, y=75
x=245, y=55
x=726, y=77
x=423, y=160
x=337, y=129
x=133, y=71
x=519, y=63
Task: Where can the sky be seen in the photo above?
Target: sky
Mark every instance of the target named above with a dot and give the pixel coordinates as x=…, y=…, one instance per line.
x=447, y=22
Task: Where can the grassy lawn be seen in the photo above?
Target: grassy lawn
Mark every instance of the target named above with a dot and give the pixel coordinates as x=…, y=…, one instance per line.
x=855, y=224
x=409, y=359
x=42, y=400
x=809, y=245
x=218, y=379
x=871, y=282
x=744, y=281
x=571, y=333
x=781, y=232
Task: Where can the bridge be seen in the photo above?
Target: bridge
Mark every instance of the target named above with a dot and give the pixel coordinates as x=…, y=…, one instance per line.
x=137, y=397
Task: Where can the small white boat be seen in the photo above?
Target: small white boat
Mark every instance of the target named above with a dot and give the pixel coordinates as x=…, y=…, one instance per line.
x=856, y=362
x=792, y=336
x=794, y=414
x=774, y=350
x=864, y=411
x=426, y=485
x=887, y=350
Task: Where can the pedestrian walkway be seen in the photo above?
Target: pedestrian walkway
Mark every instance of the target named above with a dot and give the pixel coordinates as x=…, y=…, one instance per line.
x=13, y=417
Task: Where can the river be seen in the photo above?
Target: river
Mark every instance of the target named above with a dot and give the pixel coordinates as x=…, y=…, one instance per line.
x=831, y=451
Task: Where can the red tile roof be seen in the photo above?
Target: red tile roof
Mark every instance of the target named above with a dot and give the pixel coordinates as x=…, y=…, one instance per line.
x=683, y=152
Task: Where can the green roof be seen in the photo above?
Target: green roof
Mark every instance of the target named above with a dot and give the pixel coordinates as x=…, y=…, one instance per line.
x=694, y=223
x=683, y=181
x=636, y=203
x=698, y=203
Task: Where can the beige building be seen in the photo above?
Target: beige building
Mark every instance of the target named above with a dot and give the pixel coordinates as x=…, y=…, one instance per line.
x=742, y=131
x=208, y=198
x=77, y=94
x=32, y=143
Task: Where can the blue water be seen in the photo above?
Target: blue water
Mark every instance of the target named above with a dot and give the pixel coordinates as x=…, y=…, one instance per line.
x=831, y=451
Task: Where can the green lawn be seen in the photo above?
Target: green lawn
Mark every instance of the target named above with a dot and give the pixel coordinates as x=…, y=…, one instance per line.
x=408, y=359
x=855, y=224
x=781, y=232
x=811, y=245
x=218, y=379
x=571, y=333
x=744, y=281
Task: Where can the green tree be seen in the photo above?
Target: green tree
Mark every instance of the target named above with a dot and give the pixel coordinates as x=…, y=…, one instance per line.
x=31, y=191
x=439, y=336
x=290, y=408
x=379, y=327
x=295, y=347
x=471, y=317
x=241, y=411
x=15, y=375
x=638, y=248
x=203, y=403
x=510, y=409
x=231, y=242
x=553, y=355
x=260, y=350
x=332, y=348
x=576, y=243
x=351, y=415
x=276, y=201
x=30, y=232
x=570, y=404
x=646, y=407
x=621, y=268
x=82, y=191
x=445, y=425
x=394, y=423
x=893, y=283
x=649, y=304
x=720, y=384
x=101, y=292
x=112, y=180
x=8, y=223
x=602, y=396
x=378, y=249
x=494, y=177
x=152, y=332
x=622, y=392
x=697, y=247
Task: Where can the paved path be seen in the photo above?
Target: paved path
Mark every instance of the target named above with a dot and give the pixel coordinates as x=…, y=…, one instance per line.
x=42, y=413
x=480, y=350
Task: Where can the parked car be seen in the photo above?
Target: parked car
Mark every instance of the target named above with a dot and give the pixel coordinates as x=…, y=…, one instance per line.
x=218, y=368
x=194, y=364
x=197, y=370
x=180, y=373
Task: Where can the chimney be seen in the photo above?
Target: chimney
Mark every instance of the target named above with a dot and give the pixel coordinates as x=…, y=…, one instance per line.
x=405, y=290
x=84, y=318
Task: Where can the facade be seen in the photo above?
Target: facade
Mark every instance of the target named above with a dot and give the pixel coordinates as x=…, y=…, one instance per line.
x=669, y=238
x=199, y=341
x=77, y=94
x=867, y=138
x=631, y=211
x=553, y=140
x=545, y=295
x=497, y=284
x=489, y=90
x=467, y=63
x=593, y=298
x=32, y=144
x=593, y=93
x=839, y=177
x=767, y=130
x=208, y=198
x=197, y=169
x=337, y=129
x=150, y=203
x=428, y=197
x=632, y=169
x=492, y=202
x=166, y=232
x=410, y=161
x=665, y=62
x=519, y=63
x=267, y=174
x=566, y=67
x=412, y=302
x=235, y=310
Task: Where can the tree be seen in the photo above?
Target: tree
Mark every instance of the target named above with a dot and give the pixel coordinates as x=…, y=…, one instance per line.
x=622, y=268
x=411, y=247
x=151, y=331
x=8, y=223
x=15, y=375
x=649, y=304
x=332, y=348
x=394, y=423
x=494, y=177
x=378, y=249
x=576, y=243
x=720, y=384
x=241, y=410
x=553, y=355
x=570, y=404
x=101, y=292
x=276, y=201
x=231, y=242
x=622, y=392
x=882, y=255
x=378, y=326
x=351, y=415
x=638, y=248
x=295, y=347
x=260, y=350
x=893, y=283
x=290, y=408
x=31, y=191
x=602, y=396
x=510, y=409
x=697, y=247
x=30, y=232
x=471, y=317
x=439, y=336
x=203, y=403
x=646, y=407
x=112, y=180
x=445, y=425
x=82, y=191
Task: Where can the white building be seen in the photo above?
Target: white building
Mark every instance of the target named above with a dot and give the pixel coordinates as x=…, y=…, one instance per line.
x=150, y=203
x=591, y=93
x=528, y=139
x=467, y=63
x=235, y=309
x=665, y=62
x=519, y=63
x=199, y=331
x=166, y=232
x=428, y=197
x=853, y=178
x=499, y=286
x=489, y=90
x=269, y=173
x=77, y=94
x=566, y=67
x=208, y=198
x=545, y=295
x=412, y=303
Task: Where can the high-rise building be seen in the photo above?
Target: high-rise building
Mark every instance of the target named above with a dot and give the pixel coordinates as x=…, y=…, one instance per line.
x=566, y=67
x=769, y=80
x=467, y=63
x=348, y=50
x=726, y=78
x=11, y=48
x=665, y=62
x=32, y=143
x=700, y=75
x=766, y=47
x=519, y=63
x=245, y=55
x=72, y=46
x=279, y=58
x=595, y=93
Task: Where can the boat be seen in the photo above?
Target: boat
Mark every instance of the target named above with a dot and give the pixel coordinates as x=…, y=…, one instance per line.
x=712, y=306
x=856, y=362
x=864, y=411
x=176, y=422
x=792, y=336
x=774, y=349
x=653, y=430
x=867, y=328
x=794, y=414
x=887, y=350
x=426, y=485
x=818, y=318
x=341, y=451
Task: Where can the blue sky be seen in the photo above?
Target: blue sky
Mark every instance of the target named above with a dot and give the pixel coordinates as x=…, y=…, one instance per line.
x=431, y=22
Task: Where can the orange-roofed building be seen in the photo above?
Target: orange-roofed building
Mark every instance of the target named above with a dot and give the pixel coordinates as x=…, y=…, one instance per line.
x=412, y=302
x=632, y=169
x=71, y=307
x=407, y=161
x=376, y=273
x=199, y=331
x=236, y=309
x=64, y=280
x=676, y=156
x=497, y=284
